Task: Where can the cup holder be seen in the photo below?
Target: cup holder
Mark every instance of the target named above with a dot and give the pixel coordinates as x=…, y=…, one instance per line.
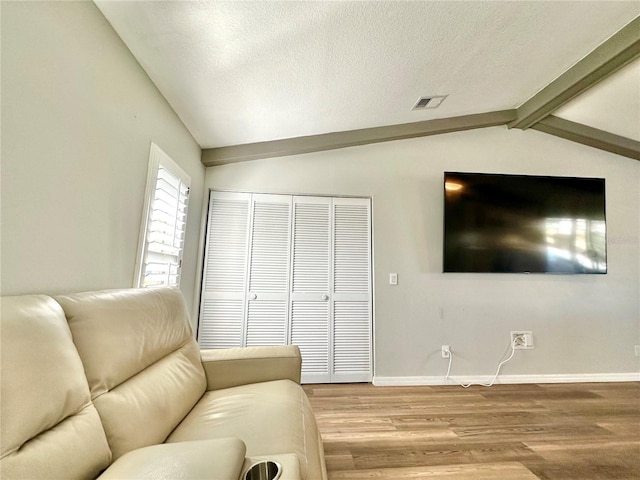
x=265, y=470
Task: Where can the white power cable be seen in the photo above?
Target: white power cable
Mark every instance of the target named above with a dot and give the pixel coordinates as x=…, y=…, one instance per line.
x=490, y=384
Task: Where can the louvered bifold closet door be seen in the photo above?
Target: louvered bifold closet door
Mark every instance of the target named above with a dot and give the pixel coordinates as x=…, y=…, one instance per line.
x=268, y=281
x=222, y=309
x=351, y=295
x=310, y=286
x=291, y=270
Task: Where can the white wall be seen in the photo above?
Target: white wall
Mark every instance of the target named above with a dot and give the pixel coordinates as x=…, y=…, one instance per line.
x=78, y=117
x=582, y=324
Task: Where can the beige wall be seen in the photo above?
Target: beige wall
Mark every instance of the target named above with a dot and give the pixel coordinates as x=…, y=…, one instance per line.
x=78, y=117
x=582, y=324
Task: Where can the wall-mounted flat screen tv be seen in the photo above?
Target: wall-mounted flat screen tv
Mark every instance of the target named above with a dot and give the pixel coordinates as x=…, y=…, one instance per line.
x=496, y=223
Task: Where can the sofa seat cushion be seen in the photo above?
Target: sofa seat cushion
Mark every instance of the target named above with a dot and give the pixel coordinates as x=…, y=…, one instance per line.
x=271, y=418
x=215, y=459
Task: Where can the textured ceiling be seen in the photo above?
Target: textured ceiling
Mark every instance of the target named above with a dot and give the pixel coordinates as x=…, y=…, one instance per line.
x=244, y=72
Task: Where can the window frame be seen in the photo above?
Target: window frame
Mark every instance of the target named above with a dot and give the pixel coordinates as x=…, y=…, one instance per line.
x=158, y=159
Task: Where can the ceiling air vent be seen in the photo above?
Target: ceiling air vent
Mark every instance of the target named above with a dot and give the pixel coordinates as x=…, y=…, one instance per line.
x=433, y=101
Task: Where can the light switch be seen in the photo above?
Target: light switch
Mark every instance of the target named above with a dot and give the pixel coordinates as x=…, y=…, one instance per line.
x=393, y=279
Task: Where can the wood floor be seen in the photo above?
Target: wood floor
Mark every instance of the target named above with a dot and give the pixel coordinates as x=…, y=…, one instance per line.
x=511, y=432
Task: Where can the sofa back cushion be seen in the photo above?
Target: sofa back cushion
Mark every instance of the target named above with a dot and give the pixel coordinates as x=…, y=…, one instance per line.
x=50, y=428
x=141, y=360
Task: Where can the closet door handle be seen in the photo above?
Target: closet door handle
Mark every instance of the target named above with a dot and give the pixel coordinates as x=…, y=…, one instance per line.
x=325, y=297
x=253, y=296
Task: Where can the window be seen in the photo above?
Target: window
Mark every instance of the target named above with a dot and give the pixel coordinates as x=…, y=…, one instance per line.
x=163, y=223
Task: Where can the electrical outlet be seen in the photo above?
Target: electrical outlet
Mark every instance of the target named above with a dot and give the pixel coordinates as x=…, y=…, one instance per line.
x=637, y=350
x=446, y=351
x=522, y=340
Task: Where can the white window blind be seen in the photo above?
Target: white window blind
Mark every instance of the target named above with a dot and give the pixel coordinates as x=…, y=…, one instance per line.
x=164, y=222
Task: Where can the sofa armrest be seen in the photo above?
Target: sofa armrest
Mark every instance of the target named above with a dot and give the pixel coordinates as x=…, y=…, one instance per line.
x=241, y=366
x=195, y=460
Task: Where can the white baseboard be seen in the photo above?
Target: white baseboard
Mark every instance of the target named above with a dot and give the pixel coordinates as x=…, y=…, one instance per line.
x=510, y=379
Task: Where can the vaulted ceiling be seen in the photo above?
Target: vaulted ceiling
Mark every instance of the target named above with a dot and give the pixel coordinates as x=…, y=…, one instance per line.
x=261, y=78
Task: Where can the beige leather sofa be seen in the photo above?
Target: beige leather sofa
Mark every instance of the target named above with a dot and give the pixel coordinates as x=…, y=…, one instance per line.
x=112, y=384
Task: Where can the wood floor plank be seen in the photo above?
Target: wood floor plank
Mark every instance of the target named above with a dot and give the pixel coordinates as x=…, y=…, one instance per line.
x=395, y=437
x=529, y=432
x=545, y=431
x=491, y=471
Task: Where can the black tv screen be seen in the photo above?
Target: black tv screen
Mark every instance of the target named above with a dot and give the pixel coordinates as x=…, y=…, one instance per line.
x=496, y=223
